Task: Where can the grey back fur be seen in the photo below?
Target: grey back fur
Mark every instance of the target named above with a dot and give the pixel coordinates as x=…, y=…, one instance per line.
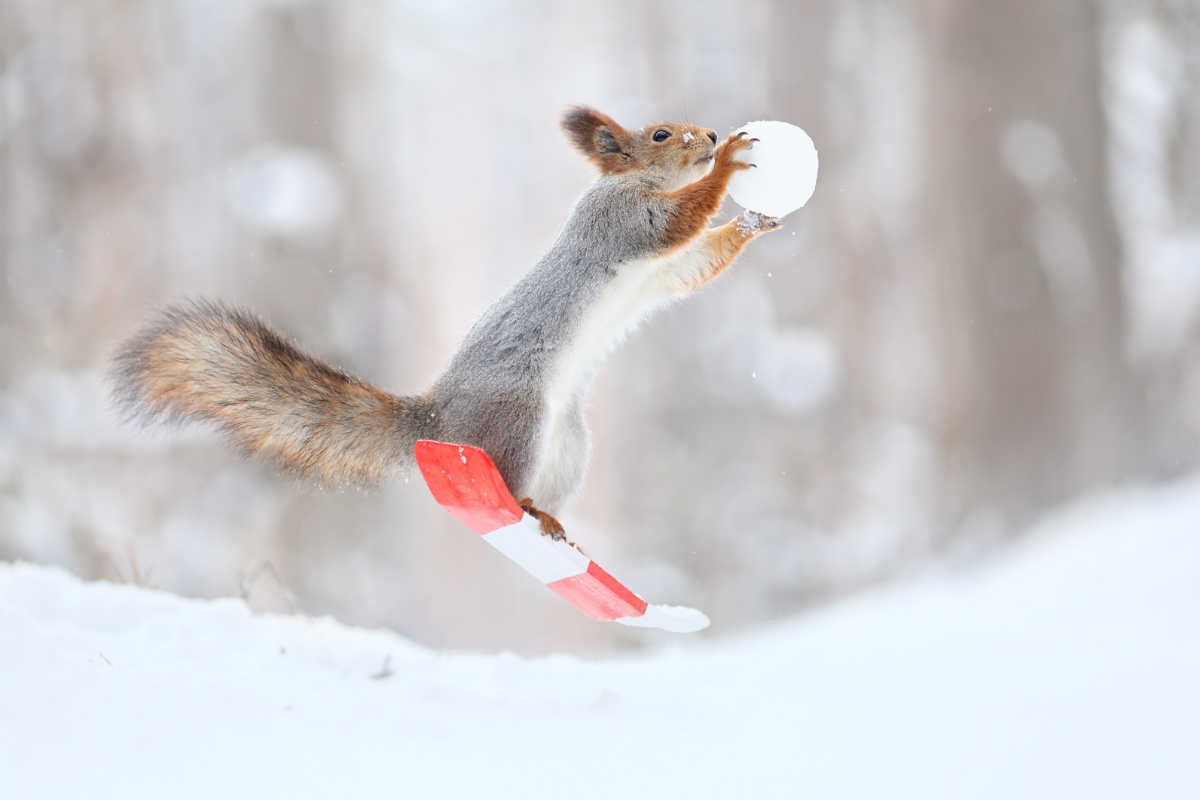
x=493, y=392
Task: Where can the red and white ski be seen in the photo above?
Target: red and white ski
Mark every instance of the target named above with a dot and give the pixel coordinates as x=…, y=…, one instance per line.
x=466, y=483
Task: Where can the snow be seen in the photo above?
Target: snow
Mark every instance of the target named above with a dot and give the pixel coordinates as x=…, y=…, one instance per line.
x=786, y=169
x=1064, y=667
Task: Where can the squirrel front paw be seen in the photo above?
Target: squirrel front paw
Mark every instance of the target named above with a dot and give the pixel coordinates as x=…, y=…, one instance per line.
x=736, y=143
x=751, y=223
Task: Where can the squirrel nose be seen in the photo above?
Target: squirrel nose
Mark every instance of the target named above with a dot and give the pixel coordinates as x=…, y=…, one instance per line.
x=712, y=136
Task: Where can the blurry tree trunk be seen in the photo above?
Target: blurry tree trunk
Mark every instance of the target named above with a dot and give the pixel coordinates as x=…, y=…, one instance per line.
x=1042, y=398
x=1152, y=69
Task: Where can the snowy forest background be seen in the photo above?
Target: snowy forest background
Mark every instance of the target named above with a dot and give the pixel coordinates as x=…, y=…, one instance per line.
x=990, y=305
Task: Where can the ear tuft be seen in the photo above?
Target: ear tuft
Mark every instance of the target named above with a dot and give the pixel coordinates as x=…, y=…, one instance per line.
x=605, y=143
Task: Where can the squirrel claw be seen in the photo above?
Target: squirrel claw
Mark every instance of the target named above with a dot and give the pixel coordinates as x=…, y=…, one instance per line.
x=724, y=156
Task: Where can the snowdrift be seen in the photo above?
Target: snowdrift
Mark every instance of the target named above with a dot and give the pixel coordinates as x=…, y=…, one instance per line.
x=1068, y=667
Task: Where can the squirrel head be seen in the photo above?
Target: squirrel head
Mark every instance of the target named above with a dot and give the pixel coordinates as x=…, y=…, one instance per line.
x=671, y=153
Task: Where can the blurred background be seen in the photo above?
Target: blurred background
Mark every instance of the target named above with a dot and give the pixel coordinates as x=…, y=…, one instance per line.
x=990, y=305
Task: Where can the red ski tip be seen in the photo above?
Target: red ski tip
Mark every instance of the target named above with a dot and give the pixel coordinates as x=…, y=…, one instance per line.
x=464, y=480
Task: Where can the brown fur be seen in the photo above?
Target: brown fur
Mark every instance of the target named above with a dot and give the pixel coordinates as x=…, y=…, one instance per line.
x=205, y=362
x=616, y=151
x=725, y=245
x=697, y=203
x=598, y=136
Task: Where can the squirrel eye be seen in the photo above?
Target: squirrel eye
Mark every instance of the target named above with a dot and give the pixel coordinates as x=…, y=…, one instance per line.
x=661, y=135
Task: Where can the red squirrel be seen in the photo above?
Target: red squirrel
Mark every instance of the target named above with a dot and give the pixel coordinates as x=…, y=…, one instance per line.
x=636, y=239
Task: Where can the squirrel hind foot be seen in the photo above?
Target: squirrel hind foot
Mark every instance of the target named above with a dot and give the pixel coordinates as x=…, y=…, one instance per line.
x=550, y=526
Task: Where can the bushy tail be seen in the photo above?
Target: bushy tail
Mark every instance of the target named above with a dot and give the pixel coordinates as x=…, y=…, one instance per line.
x=205, y=362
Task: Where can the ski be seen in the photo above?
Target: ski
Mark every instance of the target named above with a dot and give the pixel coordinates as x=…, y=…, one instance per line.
x=466, y=483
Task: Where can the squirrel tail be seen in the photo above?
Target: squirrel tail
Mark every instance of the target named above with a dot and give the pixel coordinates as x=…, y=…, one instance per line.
x=206, y=362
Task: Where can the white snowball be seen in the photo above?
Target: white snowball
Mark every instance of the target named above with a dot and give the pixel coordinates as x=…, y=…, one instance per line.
x=786, y=173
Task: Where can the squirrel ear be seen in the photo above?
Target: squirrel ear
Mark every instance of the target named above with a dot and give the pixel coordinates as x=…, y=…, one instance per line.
x=605, y=143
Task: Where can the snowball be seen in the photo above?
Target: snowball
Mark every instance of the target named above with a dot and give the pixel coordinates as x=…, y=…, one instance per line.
x=786, y=173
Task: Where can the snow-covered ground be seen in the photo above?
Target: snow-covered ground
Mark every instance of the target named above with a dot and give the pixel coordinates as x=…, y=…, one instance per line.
x=1069, y=667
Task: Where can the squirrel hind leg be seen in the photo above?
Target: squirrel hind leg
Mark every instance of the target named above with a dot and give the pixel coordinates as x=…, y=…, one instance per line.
x=550, y=526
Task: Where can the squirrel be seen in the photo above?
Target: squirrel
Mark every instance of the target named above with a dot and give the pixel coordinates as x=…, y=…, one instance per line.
x=637, y=238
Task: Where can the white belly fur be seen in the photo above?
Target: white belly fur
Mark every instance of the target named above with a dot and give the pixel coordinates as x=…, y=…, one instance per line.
x=634, y=293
